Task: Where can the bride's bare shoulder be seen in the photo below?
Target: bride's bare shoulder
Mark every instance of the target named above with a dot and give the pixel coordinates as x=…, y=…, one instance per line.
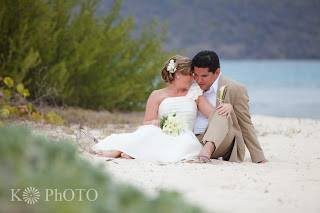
x=158, y=95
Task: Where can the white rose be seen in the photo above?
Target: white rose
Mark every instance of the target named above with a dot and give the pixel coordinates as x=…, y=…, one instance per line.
x=171, y=66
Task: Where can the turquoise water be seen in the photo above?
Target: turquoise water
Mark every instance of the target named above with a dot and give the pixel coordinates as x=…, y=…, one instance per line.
x=286, y=88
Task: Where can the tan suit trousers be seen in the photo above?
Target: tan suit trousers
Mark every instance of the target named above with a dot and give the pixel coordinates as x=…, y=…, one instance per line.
x=219, y=132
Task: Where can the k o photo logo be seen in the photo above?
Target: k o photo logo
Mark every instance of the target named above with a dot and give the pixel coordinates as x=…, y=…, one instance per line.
x=30, y=195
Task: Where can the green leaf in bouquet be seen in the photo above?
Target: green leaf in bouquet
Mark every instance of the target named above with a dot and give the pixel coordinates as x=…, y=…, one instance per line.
x=163, y=121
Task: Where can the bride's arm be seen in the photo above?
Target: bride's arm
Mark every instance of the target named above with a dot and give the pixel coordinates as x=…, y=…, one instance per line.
x=204, y=106
x=151, y=113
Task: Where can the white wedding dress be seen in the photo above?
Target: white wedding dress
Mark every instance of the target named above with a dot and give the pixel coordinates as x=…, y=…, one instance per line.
x=150, y=143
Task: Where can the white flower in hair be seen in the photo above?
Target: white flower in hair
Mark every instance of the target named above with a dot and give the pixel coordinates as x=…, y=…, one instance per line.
x=171, y=66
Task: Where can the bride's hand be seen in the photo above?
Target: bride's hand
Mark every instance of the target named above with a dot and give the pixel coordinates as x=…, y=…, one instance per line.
x=152, y=122
x=224, y=109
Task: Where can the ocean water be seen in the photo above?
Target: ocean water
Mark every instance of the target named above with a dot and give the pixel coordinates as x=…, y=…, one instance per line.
x=285, y=88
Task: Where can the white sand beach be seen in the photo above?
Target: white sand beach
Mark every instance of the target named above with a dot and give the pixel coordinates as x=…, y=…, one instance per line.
x=289, y=182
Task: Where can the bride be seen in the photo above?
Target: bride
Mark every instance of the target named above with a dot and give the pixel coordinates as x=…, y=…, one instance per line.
x=181, y=97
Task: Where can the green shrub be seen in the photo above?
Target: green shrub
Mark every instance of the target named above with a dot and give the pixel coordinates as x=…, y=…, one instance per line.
x=66, y=54
x=35, y=161
x=13, y=103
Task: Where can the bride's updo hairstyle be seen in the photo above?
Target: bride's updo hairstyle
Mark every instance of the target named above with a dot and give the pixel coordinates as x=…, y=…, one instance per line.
x=176, y=64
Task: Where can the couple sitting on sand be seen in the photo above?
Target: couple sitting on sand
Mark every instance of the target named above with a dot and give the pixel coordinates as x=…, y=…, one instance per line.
x=209, y=127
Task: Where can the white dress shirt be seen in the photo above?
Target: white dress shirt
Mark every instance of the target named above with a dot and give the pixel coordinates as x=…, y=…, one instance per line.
x=202, y=121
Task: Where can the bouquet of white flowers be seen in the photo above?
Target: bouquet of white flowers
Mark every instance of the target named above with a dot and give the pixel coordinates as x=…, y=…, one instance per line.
x=171, y=124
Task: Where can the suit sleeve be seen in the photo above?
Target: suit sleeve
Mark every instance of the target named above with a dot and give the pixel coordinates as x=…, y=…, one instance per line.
x=241, y=109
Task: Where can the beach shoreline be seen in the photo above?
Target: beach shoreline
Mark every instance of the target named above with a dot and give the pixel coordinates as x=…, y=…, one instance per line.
x=289, y=182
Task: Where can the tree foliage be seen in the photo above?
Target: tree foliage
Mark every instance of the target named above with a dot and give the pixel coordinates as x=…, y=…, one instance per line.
x=66, y=54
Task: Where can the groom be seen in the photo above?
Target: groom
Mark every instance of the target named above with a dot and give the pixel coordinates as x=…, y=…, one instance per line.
x=223, y=136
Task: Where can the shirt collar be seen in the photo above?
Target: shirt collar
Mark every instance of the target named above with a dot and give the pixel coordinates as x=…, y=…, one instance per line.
x=214, y=86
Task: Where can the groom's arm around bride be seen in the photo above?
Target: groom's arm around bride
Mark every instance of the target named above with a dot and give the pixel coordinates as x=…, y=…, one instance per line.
x=223, y=136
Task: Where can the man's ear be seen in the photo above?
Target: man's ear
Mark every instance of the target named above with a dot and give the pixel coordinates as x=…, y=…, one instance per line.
x=217, y=72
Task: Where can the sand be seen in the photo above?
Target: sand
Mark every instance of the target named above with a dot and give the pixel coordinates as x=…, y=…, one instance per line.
x=289, y=182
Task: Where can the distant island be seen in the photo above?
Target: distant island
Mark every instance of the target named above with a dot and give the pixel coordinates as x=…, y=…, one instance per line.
x=234, y=28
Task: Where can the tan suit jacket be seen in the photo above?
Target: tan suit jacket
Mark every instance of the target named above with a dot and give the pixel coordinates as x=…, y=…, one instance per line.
x=241, y=125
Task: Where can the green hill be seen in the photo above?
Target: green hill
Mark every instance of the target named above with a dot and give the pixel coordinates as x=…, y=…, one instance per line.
x=234, y=28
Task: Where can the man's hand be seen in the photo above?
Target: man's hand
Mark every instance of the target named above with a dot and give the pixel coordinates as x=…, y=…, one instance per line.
x=224, y=109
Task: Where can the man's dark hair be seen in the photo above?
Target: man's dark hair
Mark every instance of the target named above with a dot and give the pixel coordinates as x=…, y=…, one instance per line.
x=206, y=59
